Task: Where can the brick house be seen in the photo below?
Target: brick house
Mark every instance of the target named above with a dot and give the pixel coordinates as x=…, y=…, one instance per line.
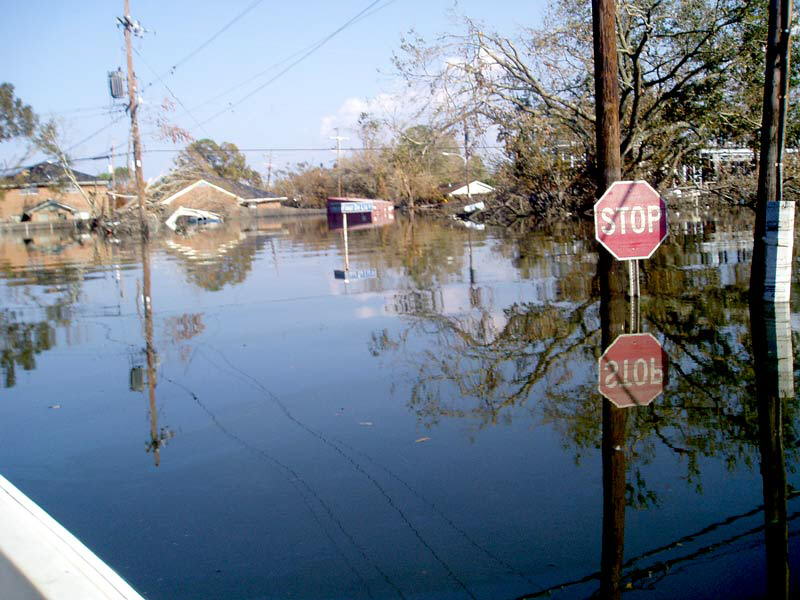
x=44, y=193
x=222, y=197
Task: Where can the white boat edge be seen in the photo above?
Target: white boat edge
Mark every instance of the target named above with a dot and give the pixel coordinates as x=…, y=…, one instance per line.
x=40, y=559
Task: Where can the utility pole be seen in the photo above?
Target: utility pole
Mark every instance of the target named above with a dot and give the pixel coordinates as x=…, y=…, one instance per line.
x=339, y=140
x=269, y=170
x=466, y=160
x=773, y=280
x=113, y=178
x=131, y=27
x=612, y=293
x=606, y=91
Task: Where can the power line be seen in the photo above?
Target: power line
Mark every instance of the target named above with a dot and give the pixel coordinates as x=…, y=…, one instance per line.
x=98, y=132
x=171, y=71
x=284, y=149
x=293, y=64
x=95, y=114
x=215, y=36
x=369, y=10
x=284, y=60
x=164, y=83
x=191, y=54
x=77, y=110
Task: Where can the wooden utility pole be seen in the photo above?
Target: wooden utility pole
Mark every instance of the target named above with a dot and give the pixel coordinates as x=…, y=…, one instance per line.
x=128, y=24
x=772, y=116
x=606, y=92
x=612, y=293
x=770, y=169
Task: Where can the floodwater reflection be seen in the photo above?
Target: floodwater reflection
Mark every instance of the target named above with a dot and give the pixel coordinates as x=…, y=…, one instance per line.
x=773, y=363
x=434, y=430
x=158, y=437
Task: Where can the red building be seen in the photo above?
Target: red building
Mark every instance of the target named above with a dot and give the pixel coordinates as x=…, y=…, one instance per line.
x=362, y=213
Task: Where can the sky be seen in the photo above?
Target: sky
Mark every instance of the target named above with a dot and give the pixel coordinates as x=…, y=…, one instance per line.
x=57, y=55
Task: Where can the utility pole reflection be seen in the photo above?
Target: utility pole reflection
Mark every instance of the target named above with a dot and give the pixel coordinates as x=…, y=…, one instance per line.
x=771, y=329
x=613, y=315
x=156, y=439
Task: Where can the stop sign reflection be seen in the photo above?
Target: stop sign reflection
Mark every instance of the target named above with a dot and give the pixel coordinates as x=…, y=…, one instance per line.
x=633, y=370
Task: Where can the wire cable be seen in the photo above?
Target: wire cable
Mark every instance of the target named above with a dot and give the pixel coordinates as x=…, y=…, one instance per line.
x=98, y=132
x=164, y=83
x=296, y=62
x=225, y=27
x=283, y=61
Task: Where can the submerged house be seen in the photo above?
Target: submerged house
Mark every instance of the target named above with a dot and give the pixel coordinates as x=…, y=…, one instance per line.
x=473, y=188
x=44, y=193
x=221, y=196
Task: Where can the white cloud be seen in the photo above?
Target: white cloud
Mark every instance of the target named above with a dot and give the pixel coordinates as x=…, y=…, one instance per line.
x=385, y=105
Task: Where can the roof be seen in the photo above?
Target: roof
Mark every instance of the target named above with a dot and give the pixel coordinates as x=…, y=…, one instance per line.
x=241, y=191
x=51, y=204
x=475, y=188
x=46, y=173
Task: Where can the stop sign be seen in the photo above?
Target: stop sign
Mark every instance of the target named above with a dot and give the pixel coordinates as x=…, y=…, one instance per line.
x=633, y=370
x=630, y=220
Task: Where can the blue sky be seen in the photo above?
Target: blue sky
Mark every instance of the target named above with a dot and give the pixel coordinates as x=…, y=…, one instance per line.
x=57, y=54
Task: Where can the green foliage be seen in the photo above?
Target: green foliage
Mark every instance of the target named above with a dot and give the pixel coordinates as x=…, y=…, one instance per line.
x=17, y=119
x=409, y=168
x=538, y=361
x=690, y=75
x=206, y=157
x=122, y=175
x=310, y=185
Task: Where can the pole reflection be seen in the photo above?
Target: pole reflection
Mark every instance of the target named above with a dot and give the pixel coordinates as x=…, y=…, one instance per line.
x=774, y=377
x=613, y=322
x=157, y=438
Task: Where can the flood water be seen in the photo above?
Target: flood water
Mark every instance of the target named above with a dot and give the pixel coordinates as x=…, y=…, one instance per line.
x=222, y=416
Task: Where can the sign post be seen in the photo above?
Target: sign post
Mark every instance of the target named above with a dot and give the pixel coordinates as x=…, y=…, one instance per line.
x=633, y=370
x=630, y=221
x=346, y=249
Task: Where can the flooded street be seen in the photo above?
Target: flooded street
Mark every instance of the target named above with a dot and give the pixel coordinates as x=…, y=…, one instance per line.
x=230, y=414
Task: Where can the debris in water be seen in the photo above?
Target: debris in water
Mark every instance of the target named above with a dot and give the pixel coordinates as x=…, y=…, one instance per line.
x=422, y=439
x=54, y=406
x=366, y=423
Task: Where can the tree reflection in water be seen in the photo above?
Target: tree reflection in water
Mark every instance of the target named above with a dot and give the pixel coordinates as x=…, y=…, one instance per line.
x=21, y=338
x=488, y=367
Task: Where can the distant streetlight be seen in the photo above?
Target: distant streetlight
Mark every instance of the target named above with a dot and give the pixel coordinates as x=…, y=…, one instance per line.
x=466, y=169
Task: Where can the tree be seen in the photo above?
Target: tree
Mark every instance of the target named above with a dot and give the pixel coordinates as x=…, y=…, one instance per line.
x=16, y=118
x=47, y=138
x=417, y=163
x=122, y=176
x=408, y=167
x=206, y=157
x=677, y=93
x=308, y=184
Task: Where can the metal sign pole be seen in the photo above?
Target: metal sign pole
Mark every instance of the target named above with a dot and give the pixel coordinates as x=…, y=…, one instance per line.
x=346, y=249
x=633, y=273
x=633, y=277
